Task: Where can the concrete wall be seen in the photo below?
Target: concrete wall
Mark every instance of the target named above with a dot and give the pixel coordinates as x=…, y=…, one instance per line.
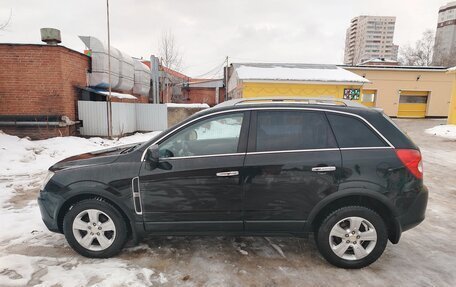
x=388, y=83
x=178, y=114
x=40, y=132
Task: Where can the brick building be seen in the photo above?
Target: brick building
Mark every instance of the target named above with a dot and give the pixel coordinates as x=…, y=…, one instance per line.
x=40, y=86
x=38, y=89
x=207, y=91
x=176, y=87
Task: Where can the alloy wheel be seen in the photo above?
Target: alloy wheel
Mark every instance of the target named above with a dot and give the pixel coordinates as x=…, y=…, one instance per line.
x=353, y=238
x=94, y=230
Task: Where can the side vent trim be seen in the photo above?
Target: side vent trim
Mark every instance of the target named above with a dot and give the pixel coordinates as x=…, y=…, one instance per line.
x=136, y=195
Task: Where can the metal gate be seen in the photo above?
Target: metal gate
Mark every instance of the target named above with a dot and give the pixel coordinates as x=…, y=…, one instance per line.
x=126, y=118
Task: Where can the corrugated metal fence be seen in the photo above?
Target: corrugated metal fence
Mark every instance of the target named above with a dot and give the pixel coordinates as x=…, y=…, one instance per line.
x=126, y=118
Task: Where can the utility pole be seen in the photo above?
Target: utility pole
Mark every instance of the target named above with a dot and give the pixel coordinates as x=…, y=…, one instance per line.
x=109, y=102
x=226, y=79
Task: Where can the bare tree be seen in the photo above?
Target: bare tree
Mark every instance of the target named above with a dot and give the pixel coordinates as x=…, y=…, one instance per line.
x=169, y=52
x=5, y=24
x=421, y=53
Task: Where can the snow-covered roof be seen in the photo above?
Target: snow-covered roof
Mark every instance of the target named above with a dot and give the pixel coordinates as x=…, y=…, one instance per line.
x=210, y=83
x=176, y=105
x=296, y=72
x=379, y=60
x=118, y=95
x=396, y=67
x=452, y=69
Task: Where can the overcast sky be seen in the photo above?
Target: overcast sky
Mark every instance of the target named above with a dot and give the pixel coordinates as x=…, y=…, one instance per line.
x=209, y=30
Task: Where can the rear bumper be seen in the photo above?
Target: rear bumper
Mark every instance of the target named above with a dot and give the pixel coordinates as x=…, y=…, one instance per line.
x=416, y=212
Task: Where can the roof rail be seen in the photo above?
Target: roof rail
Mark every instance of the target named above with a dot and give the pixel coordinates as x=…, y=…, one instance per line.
x=286, y=100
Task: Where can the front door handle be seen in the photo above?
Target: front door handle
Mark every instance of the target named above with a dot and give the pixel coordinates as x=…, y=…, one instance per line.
x=228, y=173
x=323, y=168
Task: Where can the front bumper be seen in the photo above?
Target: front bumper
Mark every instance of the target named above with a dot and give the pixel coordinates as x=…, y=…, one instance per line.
x=48, y=206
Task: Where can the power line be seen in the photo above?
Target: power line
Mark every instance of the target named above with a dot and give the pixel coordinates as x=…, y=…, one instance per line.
x=212, y=71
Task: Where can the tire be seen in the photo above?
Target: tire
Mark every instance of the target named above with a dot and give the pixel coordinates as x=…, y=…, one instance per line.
x=331, y=237
x=101, y=222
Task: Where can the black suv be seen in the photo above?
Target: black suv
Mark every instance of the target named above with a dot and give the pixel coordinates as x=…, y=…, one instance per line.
x=248, y=167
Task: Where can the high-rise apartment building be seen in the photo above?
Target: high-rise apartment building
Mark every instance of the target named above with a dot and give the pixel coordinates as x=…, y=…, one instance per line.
x=370, y=37
x=445, y=36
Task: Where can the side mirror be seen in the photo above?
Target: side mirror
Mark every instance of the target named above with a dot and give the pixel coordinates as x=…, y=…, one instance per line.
x=153, y=159
x=152, y=155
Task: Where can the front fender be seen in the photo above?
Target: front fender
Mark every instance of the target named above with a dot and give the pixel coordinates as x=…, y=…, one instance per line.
x=120, y=198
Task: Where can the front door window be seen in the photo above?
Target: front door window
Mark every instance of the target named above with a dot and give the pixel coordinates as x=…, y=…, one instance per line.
x=216, y=135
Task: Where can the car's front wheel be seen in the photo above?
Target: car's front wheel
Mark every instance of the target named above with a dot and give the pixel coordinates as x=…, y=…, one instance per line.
x=95, y=229
x=352, y=237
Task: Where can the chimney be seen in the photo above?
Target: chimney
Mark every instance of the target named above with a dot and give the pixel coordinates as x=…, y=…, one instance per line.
x=50, y=36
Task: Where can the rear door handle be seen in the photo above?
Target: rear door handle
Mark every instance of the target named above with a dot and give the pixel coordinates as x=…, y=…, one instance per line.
x=228, y=173
x=323, y=168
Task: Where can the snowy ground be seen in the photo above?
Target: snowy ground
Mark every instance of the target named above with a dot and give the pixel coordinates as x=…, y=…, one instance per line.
x=446, y=131
x=30, y=255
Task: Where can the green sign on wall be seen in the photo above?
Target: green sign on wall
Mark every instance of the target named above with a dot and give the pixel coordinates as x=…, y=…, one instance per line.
x=352, y=94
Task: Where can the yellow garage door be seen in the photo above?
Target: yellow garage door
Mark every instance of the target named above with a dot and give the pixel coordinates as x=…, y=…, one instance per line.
x=412, y=104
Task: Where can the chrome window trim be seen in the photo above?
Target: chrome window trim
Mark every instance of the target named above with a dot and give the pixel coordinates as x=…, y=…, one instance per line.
x=366, y=148
x=273, y=152
x=292, y=150
x=202, y=156
x=268, y=108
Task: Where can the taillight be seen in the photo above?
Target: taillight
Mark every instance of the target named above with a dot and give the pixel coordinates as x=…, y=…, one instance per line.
x=411, y=158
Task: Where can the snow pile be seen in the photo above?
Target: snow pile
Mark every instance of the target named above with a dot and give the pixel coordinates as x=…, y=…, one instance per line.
x=119, y=95
x=23, y=166
x=174, y=105
x=297, y=72
x=21, y=156
x=446, y=131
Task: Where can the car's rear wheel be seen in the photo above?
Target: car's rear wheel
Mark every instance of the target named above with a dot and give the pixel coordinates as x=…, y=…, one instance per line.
x=352, y=237
x=95, y=229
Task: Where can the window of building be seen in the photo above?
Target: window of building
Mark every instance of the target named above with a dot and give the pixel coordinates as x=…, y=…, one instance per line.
x=369, y=96
x=406, y=99
x=293, y=130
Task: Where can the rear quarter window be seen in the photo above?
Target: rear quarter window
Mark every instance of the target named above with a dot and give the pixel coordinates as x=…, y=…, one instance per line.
x=353, y=132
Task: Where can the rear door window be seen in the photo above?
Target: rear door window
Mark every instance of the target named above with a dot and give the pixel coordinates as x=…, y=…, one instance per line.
x=352, y=132
x=293, y=130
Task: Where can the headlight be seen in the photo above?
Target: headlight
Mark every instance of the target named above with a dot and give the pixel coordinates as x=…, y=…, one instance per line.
x=47, y=179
